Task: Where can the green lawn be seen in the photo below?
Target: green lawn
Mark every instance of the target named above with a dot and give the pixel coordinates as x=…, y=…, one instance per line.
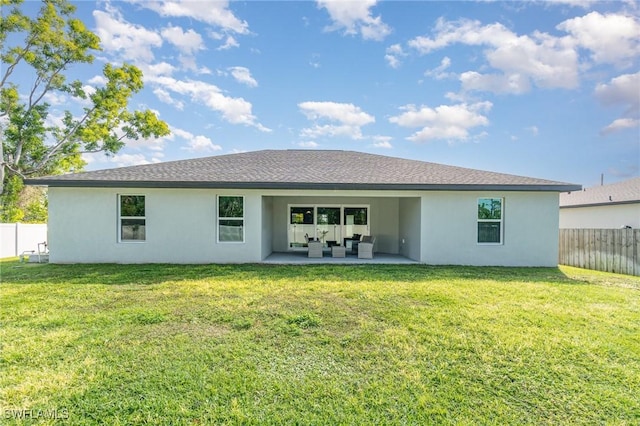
x=259, y=344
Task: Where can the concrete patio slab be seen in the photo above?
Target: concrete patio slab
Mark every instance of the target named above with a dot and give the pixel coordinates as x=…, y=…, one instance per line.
x=301, y=258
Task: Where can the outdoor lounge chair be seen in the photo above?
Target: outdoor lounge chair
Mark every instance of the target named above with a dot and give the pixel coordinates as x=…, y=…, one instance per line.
x=365, y=247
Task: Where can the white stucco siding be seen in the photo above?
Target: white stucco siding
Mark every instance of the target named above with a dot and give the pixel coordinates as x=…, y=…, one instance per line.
x=410, y=229
x=267, y=229
x=601, y=217
x=449, y=229
x=438, y=227
x=181, y=227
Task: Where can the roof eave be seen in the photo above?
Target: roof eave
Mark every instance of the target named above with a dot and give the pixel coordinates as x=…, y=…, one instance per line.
x=607, y=203
x=68, y=183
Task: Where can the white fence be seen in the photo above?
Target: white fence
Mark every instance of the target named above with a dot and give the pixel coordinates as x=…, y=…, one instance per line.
x=16, y=238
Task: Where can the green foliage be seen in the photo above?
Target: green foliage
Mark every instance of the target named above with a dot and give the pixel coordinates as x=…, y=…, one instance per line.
x=230, y=206
x=10, y=211
x=22, y=204
x=490, y=208
x=51, y=44
x=132, y=205
x=320, y=344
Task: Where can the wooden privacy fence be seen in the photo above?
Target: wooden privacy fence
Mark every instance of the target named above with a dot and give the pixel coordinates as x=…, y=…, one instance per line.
x=609, y=250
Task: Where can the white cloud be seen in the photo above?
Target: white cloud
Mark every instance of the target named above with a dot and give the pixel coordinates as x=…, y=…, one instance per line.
x=533, y=130
x=215, y=13
x=346, y=119
x=382, y=142
x=166, y=97
x=545, y=60
x=308, y=144
x=585, y=4
x=133, y=42
x=611, y=38
x=229, y=43
x=621, y=90
x=157, y=69
x=188, y=42
x=496, y=83
x=344, y=113
x=448, y=122
x=243, y=75
x=315, y=60
x=332, y=130
x=621, y=124
x=55, y=98
x=540, y=59
x=355, y=18
x=463, y=31
x=98, y=80
x=152, y=144
x=123, y=160
x=393, y=55
x=233, y=110
x=195, y=143
x=439, y=72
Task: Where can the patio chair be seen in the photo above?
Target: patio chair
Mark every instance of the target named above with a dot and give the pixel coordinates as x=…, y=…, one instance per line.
x=365, y=247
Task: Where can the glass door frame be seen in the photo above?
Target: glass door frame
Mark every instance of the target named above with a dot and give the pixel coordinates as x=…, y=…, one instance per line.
x=313, y=229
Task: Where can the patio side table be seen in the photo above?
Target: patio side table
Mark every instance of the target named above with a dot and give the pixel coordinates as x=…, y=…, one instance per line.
x=338, y=251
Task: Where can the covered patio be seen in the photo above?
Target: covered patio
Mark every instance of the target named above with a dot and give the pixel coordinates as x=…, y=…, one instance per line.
x=300, y=258
x=291, y=220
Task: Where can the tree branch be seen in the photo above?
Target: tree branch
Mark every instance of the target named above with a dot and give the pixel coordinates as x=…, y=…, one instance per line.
x=63, y=140
x=20, y=57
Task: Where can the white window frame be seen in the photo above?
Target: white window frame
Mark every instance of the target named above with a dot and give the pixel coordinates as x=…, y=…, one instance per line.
x=500, y=221
x=219, y=218
x=120, y=217
x=315, y=217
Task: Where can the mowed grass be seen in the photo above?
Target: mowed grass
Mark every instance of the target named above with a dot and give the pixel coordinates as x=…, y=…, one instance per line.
x=264, y=344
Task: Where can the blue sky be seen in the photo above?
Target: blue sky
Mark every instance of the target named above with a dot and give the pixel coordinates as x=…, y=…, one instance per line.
x=539, y=88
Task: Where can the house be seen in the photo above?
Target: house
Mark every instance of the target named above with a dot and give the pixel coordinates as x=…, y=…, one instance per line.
x=616, y=205
x=244, y=207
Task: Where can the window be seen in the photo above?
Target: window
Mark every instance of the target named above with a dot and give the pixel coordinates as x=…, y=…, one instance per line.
x=355, y=215
x=132, y=219
x=490, y=215
x=230, y=219
x=302, y=215
x=328, y=216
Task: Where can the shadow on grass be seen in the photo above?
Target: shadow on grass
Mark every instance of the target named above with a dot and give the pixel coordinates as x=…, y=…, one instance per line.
x=13, y=272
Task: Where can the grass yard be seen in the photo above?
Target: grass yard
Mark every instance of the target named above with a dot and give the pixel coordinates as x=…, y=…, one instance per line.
x=259, y=344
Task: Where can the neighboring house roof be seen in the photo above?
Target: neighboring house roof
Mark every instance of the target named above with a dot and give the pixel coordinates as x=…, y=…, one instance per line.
x=625, y=192
x=303, y=169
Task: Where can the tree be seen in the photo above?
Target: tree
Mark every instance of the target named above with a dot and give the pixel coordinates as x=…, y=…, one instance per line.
x=34, y=143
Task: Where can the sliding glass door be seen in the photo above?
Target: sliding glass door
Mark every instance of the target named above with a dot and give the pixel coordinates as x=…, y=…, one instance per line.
x=330, y=224
x=329, y=230
x=301, y=225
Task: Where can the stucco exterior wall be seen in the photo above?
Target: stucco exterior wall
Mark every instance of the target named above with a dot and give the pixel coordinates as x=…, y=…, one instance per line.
x=601, y=217
x=438, y=227
x=180, y=227
x=267, y=228
x=410, y=227
x=449, y=229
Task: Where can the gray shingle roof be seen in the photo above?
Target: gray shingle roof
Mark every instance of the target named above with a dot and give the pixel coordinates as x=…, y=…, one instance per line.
x=300, y=169
x=624, y=192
